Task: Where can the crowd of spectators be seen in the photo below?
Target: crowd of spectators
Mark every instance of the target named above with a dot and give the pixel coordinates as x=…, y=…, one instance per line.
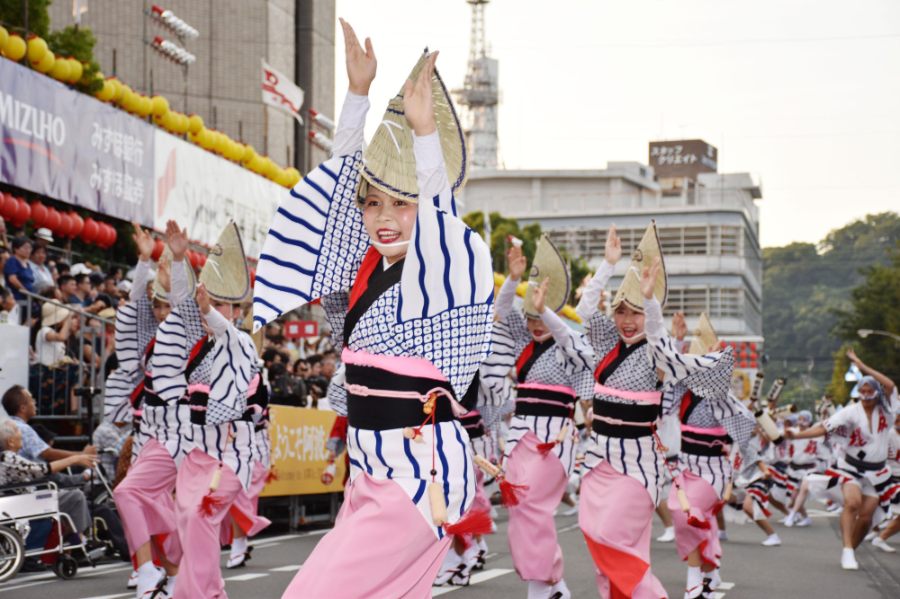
x=299, y=371
x=69, y=336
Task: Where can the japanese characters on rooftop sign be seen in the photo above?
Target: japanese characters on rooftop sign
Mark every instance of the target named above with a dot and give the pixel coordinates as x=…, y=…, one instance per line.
x=683, y=158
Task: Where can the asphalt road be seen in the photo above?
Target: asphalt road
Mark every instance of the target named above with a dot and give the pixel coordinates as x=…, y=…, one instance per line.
x=806, y=565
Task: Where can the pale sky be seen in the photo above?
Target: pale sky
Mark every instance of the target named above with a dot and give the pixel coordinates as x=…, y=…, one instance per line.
x=802, y=94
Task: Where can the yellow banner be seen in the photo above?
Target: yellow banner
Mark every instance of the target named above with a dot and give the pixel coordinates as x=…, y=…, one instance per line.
x=299, y=456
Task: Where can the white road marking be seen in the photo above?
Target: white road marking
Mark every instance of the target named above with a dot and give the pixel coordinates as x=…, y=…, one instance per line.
x=244, y=577
x=476, y=578
x=568, y=528
x=285, y=568
x=119, y=596
x=725, y=586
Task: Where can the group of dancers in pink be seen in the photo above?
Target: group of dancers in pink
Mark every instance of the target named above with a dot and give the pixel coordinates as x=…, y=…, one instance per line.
x=433, y=355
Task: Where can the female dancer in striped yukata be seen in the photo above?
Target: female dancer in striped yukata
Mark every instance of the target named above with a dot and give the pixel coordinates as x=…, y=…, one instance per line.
x=711, y=421
x=144, y=497
x=415, y=326
x=621, y=490
x=210, y=368
x=553, y=366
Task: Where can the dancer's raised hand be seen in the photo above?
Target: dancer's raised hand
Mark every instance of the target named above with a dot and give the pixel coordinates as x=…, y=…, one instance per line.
x=361, y=63
x=417, y=101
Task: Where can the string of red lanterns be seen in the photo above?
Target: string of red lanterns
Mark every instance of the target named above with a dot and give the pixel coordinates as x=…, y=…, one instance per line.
x=67, y=225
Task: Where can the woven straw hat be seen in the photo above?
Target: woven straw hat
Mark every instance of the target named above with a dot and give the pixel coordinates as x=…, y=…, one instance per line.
x=548, y=263
x=705, y=338
x=51, y=314
x=388, y=161
x=630, y=289
x=225, y=273
x=160, y=293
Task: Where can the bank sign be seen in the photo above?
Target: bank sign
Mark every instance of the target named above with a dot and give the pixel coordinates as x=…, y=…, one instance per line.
x=73, y=148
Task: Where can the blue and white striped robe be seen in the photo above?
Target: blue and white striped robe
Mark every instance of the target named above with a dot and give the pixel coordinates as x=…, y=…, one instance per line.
x=441, y=310
x=227, y=369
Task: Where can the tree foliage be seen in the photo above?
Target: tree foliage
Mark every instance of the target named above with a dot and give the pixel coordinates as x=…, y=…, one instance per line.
x=502, y=227
x=806, y=289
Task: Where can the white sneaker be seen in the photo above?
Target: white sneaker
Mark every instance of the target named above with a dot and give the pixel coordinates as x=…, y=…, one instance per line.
x=773, y=540
x=870, y=535
x=803, y=522
x=667, y=536
x=789, y=521
x=848, y=559
x=882, y=544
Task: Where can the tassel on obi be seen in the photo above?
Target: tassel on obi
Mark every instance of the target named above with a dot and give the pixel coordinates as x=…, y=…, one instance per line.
x=473, y=523
x=698, y=522
x=508, y=495
x=271, y=475
x=729, y=489
x=546, y=448
x=210, y=503
x=413, y=434
x=438, y=504
x=329, y=472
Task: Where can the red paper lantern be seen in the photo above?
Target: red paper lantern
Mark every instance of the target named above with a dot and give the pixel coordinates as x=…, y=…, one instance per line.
x=90, y=231
x=76, y=221
x=65, y=225
x=201, y=257
x=158, y=248
x=105, y=238
x=112, y=235
x=8, y=206
x=194, y=258
x=54, y=218
x=23, y=213
x=38, y=214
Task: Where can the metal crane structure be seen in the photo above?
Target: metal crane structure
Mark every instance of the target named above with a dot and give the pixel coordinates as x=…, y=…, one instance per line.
x=480, y=96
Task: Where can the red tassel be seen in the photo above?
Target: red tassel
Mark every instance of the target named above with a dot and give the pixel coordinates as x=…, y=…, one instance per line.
x=472, y=523
x=271, y=475
x=210, y=504
x=698, y=523
x=508, y=496
x=546, y=448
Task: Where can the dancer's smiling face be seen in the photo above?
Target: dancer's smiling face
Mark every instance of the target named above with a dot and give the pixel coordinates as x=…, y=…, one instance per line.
x=389, y=222
x=537, y=329
x=630, y=323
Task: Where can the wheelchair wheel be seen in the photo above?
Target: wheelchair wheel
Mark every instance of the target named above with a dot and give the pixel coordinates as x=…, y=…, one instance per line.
x=66, y=566
x=12, y=553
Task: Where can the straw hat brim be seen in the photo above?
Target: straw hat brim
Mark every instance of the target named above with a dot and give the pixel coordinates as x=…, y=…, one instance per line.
x=548, y=262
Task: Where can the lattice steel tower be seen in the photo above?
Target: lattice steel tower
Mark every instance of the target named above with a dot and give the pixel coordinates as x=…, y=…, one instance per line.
x=480, y=95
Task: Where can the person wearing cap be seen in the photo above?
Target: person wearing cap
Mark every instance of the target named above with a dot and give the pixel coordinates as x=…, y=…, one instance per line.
x=205, y=364
x=862, y=473
x=407, y=288
x=144, y=497
x=637, y=361
x=553, y=368
x=711, y=421
x=43, y=237
x=17, y=271
x=57, y=373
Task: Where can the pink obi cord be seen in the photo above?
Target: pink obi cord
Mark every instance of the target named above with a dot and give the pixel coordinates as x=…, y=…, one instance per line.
x=618, y=422
x=363, y=391
x=717, y=432
x=651, y=397
x=553, y=388
x=402, y=365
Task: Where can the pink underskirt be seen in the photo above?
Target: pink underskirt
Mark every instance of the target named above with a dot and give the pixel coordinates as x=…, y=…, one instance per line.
x=615, y=515
x=380, y=546
x=704, y=502
x=532, y=530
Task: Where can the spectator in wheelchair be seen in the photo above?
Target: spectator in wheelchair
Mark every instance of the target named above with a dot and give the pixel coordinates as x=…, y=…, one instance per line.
x=14, y=469
x=20, y=405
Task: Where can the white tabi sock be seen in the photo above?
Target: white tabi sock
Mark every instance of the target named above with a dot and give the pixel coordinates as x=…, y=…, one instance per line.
x=238, y=546
x=694, y=577
x=147, y=578
x=538, y=589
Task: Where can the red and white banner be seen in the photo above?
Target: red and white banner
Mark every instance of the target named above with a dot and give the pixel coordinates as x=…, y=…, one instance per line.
x=279, y=91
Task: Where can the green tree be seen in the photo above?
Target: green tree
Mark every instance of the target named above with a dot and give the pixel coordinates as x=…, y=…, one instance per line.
x=12, y=14
x=78, y=42
x=876, y=306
